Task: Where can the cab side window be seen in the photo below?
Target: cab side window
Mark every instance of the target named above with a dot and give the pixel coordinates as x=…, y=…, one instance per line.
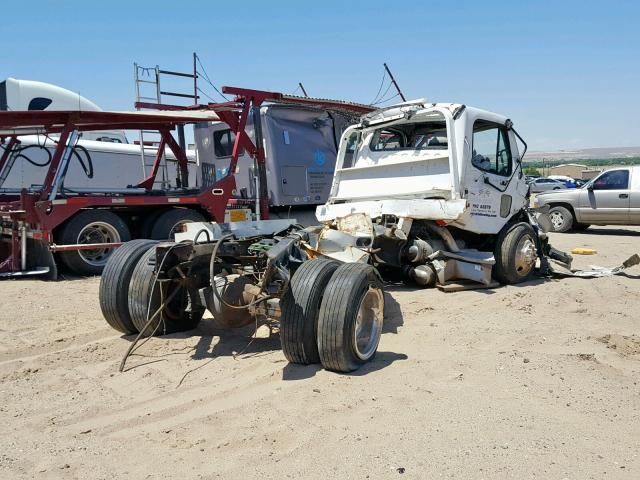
x=490, y=149
x=350, y=151
x=39, y=103
x=386, y=140
x=614, y=180
x=223, y=141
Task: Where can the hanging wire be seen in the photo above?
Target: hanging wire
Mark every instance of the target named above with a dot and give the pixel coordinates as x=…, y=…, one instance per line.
x=206, y=78
x=214, y=87
x=386, y=99
x=297, y=88
x=384, y=75
x=380, y=99
x=150, y=318
x=206, y=95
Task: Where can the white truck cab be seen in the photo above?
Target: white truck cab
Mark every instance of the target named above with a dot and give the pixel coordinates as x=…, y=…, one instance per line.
x=426, y=192
x=440, y=189
x=445, y=162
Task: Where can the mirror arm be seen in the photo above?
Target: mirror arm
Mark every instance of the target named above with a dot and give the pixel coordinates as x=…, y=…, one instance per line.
x=523, y=142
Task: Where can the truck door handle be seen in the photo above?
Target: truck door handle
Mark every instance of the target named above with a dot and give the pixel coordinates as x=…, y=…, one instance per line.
x=623, y=195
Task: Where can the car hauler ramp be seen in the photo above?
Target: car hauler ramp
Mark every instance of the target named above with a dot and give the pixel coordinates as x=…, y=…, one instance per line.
x=44, y=219
x=30, y=219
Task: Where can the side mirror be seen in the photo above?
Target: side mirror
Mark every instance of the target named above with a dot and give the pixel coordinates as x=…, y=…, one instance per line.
x=590, y=187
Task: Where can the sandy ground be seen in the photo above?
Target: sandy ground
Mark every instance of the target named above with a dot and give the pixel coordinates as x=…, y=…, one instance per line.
x=534, y=381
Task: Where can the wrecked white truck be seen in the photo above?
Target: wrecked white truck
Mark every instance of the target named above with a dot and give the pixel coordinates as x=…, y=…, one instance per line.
x=429, y=192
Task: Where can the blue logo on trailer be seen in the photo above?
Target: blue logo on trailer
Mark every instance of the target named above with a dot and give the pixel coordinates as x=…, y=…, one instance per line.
x=319, y=158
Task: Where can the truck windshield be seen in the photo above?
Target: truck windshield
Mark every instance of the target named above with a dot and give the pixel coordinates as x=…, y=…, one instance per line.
x=411, y=136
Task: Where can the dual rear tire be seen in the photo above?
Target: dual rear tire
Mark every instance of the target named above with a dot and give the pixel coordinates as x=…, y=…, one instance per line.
x=114, y=284
x=181, y=311
x=131, y=297
x=332, y=314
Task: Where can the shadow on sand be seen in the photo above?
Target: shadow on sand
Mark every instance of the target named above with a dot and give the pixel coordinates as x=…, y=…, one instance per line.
x=606, y=231
x=241, y=343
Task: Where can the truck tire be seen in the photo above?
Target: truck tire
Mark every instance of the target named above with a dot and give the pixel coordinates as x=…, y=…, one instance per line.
x=350, y=318
x=183, y=312
x=561, y=219
x=146, y=222
x=515, y=254
x=39, y=256
x=168, y=223
x=114, y=284
x=300, y=306
x=92, y=226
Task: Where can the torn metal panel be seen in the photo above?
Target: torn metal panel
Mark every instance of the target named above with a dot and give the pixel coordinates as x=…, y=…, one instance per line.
x=340, y=246
x=357, y=224
x=594, y=271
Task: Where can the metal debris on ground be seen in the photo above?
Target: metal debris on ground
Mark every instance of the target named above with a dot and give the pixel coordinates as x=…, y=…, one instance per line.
x=594, y=271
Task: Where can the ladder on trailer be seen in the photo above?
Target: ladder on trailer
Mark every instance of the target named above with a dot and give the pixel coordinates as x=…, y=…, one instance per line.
x=148, y=82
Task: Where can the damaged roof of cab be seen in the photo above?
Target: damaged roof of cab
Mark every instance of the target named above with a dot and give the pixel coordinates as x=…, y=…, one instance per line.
x=421, y=105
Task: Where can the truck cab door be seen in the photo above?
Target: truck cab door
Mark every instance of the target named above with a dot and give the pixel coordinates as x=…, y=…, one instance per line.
x=495, y=189
x=606, y=200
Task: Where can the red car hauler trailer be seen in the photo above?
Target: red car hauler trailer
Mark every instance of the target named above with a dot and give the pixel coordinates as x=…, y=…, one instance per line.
x=82, y=227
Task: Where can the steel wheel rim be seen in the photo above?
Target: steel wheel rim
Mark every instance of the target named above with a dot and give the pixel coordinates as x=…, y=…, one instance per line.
x=368, y=327
x=97, y=232
x=526, y=256
x=557, y=219
x=177, y=305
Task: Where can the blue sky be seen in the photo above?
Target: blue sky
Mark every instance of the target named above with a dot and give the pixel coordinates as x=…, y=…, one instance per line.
x=566, y=72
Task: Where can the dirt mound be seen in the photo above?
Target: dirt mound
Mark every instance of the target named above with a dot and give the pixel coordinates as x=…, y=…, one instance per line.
x=623, y=344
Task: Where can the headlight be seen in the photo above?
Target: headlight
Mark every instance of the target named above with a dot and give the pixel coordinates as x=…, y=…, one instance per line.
x=536, y=202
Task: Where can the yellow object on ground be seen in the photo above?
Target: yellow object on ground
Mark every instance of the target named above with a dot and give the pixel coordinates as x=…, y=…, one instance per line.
x=583, y=251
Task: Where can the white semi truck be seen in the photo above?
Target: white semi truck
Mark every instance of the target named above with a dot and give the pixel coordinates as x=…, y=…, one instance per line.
x=430, y=192
x=104, y=160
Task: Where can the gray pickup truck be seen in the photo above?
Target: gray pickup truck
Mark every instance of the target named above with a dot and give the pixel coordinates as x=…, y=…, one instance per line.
x=612, y=198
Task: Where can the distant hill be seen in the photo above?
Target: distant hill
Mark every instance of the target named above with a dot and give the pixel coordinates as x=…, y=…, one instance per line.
x=584, y=153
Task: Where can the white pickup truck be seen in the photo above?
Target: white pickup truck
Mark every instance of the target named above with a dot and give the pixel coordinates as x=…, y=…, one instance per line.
x=612, y=198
